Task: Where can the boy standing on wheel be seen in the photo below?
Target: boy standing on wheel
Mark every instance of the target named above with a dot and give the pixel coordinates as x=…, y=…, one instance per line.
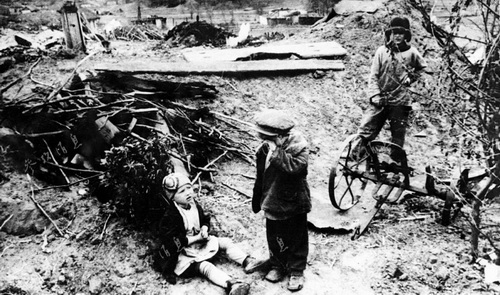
x=282, y=192
x=395, y=66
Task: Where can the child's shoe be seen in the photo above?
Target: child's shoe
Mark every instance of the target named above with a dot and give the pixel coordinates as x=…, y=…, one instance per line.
x=251, y=264
x=296, y=281
x=275, y=275
x=235, y=287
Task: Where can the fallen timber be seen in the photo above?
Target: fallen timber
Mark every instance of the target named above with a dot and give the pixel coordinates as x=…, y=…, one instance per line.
x=321, y=50
x=185, y=68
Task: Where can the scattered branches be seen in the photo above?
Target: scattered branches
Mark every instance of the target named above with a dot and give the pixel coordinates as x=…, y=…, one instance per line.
x=474, y=85
x=22, y=77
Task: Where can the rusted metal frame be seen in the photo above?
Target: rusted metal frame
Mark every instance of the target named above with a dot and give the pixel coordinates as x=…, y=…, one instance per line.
x=390, y=185
x=398, y=184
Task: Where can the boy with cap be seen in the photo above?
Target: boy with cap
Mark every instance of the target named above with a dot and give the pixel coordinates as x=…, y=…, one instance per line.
x=282, y=192
x=395, y=66
x=186, y=245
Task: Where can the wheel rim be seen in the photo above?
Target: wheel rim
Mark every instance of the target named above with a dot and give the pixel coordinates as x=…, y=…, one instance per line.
x=346, y=184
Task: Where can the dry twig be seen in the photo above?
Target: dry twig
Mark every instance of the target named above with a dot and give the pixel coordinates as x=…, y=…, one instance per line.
x=58, y=89
x=237, y=190
x=209, y=164
x=104, y=228
x=5, y=221
x=22, y=77
x=69, y=184
x=32, y=196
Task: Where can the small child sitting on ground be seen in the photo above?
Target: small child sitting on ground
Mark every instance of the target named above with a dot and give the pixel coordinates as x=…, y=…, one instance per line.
x=187, y=247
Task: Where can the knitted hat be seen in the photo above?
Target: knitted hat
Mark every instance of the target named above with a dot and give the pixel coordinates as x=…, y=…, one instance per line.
x=172, y=182
x=273, y=122
x=401, y=24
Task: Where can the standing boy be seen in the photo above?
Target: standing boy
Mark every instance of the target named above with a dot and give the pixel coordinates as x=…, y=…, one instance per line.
x=282, y=192
x=395, y=66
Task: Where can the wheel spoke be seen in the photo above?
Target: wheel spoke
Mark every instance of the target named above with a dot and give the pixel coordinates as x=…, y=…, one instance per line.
x=345, y=191
x=347, y=184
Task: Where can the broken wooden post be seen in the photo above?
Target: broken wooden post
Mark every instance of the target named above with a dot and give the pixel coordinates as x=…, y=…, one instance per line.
x=72, y=27
x=139, y=10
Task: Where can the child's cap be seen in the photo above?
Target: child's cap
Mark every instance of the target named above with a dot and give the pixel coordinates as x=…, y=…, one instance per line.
x=172, y=182
x=399, y=24
x=273, y=122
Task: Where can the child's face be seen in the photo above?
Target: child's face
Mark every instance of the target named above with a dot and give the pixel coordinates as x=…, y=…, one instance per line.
x=398, y=37
x=184, y=195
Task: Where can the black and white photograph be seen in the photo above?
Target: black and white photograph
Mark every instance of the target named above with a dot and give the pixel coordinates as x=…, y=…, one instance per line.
x=244, y=147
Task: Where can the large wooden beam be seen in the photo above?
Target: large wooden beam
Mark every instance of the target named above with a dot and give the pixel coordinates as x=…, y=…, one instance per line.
x=184, y=68
x=330, y=50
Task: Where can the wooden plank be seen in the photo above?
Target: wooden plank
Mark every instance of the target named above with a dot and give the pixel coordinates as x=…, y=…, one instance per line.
x=353, y=6
x=72, y=27
x=306, y=50
x=183, y=68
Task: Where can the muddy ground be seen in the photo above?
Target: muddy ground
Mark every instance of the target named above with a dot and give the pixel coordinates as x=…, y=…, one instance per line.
x=103, y=254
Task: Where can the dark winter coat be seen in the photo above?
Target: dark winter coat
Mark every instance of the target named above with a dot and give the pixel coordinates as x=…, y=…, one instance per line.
x=172, y=237
x=282, y=189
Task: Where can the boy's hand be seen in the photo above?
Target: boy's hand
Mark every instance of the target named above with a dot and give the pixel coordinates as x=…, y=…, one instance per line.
x=204, y=232
x=378, y=101
x=199, y=237
x=279, y=140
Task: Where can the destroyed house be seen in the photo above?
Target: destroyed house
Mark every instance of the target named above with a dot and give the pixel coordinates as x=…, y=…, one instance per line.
x=159, y=21
x=309, y=19
x=283, y=16
x=91, y=18
x=16, y=8
x=4, y=10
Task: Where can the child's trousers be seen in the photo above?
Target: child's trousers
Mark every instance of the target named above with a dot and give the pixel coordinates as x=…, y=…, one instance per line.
x=288, y=242
x=375, y=119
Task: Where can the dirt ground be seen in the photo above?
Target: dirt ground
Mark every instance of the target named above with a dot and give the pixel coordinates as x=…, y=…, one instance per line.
x=103, y=254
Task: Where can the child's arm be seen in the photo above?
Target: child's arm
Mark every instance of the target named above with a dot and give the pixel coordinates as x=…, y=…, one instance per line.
x=257, y=188
x=171, y=234
x=204, y=221
x=373, y=85
x=292, y=156
x=419, y=65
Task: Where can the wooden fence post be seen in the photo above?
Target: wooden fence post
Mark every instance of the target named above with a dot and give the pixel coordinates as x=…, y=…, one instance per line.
x=72, y=27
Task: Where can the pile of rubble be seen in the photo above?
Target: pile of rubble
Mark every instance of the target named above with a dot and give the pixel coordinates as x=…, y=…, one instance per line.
x=60, y=130
x=196, y=34
x=137, y=33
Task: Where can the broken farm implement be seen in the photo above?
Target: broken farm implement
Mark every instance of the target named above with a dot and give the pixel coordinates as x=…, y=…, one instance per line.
x=379, y=169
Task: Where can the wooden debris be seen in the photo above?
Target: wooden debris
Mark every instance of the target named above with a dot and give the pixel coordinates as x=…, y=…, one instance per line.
x=70, y=122
x=122, y=79
x=226, y=67
x=138, y=33
x=325, y=51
